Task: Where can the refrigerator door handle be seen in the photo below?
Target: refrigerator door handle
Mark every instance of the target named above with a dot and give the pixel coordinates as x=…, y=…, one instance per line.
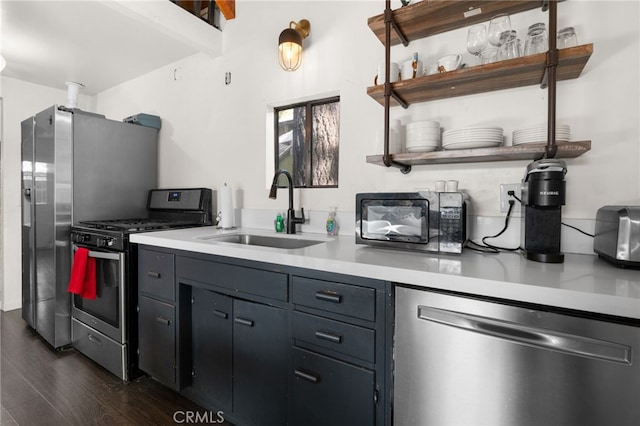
x=529, y=335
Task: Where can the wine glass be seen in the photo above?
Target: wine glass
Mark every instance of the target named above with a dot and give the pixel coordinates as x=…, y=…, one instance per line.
x=476, y=39
x=498, y=24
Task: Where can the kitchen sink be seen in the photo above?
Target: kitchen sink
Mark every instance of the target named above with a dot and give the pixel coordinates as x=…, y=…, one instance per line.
x=264, y=241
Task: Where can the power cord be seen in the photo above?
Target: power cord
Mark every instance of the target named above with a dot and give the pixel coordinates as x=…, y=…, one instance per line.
x=578, y=229
x=512, y=193
x=485, y=247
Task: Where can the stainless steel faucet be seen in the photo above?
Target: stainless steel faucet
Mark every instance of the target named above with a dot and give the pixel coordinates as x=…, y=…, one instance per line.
x=292, y=220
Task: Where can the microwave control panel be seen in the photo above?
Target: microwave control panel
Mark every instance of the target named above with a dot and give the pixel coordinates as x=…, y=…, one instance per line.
x=452, y=228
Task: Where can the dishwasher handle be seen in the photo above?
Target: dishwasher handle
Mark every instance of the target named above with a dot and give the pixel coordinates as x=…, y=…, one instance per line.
x=532, y=336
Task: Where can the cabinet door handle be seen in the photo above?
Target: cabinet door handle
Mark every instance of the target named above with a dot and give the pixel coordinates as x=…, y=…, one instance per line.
x=242, y=321
x=220, y=314
x=329, y=336
x=94, y=339
x=163, y=321
x=329, y=296
x=154, y=274
x=309, y=377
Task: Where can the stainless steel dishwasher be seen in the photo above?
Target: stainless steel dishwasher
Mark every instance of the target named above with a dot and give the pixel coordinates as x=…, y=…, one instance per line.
x=464, y=361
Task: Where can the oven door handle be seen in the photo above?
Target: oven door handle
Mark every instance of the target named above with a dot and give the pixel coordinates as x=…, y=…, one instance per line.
x=101, y=254
x=105, y=255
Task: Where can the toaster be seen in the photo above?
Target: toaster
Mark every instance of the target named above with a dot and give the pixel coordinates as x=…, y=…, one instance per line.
x=617, y=235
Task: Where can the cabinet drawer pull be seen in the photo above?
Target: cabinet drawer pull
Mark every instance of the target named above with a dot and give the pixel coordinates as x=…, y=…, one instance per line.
x=242, y=321
x=329, y=296
x=94, y=339
x=220, y=314
x=329, y=336
x=163, y=321
x=309, y=377
x=154, y=274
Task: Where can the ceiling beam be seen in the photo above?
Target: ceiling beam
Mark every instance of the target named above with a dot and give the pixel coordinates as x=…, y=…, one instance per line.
x=228, y=8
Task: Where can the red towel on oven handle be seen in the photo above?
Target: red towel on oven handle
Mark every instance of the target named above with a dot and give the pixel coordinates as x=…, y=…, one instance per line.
x=83, y=275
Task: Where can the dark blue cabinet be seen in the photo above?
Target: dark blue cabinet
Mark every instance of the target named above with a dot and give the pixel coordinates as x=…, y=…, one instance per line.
x=240, y=357
x=157, y=342
x=212, y=346
x=267, y=344
x=327, y=391
x=260, y=363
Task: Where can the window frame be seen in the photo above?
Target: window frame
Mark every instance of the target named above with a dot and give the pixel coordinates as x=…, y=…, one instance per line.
x=308, y=130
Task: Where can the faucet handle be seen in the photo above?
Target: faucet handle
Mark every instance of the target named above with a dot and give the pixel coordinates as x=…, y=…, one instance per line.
x=302, y=213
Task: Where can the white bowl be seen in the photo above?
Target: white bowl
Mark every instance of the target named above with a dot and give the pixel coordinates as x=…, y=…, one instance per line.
x=424, y=132
x=423, y=124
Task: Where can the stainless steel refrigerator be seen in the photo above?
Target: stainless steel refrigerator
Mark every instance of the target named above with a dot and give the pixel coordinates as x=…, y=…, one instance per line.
x=75, y=166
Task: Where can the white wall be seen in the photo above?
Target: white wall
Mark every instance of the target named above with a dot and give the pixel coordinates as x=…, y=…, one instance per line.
x=213, y=133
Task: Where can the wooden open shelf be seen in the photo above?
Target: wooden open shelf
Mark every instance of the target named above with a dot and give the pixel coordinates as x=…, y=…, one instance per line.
x=504, y=153
x=518, y=72
x=431, y=17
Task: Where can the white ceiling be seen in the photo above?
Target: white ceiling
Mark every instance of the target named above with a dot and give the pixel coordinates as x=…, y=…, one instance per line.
x=97, y=43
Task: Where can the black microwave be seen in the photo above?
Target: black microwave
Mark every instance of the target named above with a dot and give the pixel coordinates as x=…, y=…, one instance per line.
x=424, y=221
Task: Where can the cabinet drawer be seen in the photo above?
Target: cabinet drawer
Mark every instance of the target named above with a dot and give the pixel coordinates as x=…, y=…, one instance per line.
x=358, y=342
x=330, y=392
x=237, y=278
x=345, y=299
x=156, y=274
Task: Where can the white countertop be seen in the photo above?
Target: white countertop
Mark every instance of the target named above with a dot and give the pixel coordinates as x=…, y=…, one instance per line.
x=582, y=282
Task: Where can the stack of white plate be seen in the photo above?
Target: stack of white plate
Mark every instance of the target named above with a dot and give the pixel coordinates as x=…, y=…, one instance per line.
x=538, y=134
x=422, y=136
x=473, y=137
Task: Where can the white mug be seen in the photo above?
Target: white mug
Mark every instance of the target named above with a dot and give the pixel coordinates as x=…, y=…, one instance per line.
x=394, y=71
x=450, y=62
x=407, y=69
x=440, y=185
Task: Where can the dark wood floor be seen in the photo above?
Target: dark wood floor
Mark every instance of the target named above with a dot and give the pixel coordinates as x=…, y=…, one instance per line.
x=43, y=387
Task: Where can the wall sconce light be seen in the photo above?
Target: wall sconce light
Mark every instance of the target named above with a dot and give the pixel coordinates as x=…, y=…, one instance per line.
x=290, y=44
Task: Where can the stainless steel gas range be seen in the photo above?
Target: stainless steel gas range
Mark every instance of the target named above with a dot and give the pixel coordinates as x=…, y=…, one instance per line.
x=105, y=328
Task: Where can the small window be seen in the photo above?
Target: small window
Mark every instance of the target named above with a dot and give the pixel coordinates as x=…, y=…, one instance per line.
x=307, y=142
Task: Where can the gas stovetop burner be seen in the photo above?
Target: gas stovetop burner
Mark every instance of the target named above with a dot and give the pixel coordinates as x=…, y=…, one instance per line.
x=138, y=225
x=166, y=209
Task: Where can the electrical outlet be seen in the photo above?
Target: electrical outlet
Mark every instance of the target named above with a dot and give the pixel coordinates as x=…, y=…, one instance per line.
x=505, y=197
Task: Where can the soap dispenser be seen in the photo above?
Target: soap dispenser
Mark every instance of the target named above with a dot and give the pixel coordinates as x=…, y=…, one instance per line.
x=332, y=222
x=279, y=223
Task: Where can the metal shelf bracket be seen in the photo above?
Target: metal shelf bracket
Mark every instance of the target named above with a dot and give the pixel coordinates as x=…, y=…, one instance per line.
x=388, y=91
x=389, y=21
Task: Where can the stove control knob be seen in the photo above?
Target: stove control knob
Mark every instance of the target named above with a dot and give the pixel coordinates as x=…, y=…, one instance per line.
x=81, y=238
x=105, y=242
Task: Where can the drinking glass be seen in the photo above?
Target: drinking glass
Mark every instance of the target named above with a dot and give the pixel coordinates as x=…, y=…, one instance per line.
x=476, y=39
x=510, y=48
x=498, y=24
x=489, y=55
x=536, y=41
x=567, y=38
